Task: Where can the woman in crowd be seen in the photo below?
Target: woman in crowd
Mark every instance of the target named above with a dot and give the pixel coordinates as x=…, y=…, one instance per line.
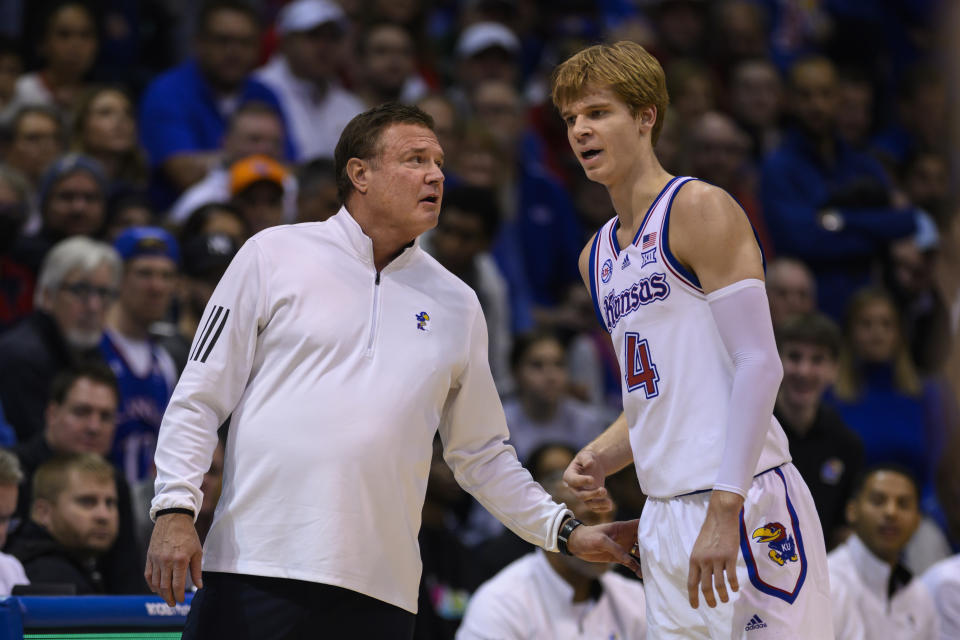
x=900, y=417
x=69, y=50
x=105, y=128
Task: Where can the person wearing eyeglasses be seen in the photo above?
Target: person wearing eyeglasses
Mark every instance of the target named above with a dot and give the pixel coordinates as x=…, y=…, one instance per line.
x=77, y=283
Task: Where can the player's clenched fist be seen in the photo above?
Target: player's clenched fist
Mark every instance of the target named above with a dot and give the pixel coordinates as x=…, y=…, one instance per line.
x=585, y=475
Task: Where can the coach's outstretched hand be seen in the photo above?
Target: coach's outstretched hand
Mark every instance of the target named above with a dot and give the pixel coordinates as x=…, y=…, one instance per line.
x=610, y=542
x=174, y=549
x=585, y=476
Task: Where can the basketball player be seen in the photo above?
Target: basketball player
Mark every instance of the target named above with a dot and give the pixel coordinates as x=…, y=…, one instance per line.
x=677, y=279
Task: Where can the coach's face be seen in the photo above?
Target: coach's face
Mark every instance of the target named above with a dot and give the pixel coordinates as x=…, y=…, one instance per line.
x=405, y=183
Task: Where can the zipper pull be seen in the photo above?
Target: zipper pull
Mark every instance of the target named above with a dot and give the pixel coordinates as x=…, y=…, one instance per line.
x=377, y=281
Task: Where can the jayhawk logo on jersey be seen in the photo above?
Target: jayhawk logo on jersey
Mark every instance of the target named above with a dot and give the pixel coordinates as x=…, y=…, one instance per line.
x=423, y=319
x=782, y=546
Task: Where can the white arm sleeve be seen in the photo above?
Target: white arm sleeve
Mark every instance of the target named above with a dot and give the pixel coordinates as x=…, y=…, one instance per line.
x=473, y=430
x=742, y=315
x=212, y=383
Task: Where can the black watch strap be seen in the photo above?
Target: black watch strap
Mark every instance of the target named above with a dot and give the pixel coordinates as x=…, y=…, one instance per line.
x=163, y=512
x=563, y=536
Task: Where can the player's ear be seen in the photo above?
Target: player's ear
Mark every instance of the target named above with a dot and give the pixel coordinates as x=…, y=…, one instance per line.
x=359, y=173
x=646, y=118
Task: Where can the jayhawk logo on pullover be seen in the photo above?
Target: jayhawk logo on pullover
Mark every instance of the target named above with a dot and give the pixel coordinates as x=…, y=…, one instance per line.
x=423, y=321
x=782, y=546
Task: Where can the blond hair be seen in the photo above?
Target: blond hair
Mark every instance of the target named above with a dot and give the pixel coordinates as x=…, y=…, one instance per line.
x=625, y=68
x=849, y=385
x=50, y=479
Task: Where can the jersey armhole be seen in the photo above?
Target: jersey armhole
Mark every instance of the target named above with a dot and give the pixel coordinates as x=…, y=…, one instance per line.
x=593, y=269
x=679, y=270
x=676, y=267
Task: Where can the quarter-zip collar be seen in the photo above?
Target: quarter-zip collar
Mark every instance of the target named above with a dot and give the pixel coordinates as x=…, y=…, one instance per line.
x=360, y=245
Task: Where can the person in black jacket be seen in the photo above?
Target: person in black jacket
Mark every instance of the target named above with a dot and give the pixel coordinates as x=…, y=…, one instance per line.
x=77, y=283
x=81, y=418
x=73, y=523
x=828, y=454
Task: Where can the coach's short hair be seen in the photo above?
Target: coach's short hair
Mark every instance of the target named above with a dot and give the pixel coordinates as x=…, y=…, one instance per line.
x=811, y=328
x=361, y=137
x=626, y=68
x=78, y=252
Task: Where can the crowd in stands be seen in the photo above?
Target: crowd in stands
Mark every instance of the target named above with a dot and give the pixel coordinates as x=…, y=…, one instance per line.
x=141, y=144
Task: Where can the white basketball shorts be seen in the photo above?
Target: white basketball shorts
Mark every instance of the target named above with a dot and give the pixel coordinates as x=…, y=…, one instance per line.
x=782, y=566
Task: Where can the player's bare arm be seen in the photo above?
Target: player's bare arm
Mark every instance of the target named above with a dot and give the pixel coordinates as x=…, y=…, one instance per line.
x=710, y=234
x=584, y=263
x=608, y=453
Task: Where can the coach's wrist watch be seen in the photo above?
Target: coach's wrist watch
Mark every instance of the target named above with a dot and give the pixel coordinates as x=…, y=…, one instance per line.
x=164, y=512
x=563, y=536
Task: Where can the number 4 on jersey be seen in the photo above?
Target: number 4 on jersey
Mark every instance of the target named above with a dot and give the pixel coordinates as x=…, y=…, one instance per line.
x=638, y=367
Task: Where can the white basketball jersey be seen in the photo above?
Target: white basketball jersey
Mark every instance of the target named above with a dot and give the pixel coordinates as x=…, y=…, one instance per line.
x=676, y=373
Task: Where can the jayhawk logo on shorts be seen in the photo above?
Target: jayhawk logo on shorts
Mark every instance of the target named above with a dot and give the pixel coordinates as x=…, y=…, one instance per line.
x=782, y=546
x=423, y=318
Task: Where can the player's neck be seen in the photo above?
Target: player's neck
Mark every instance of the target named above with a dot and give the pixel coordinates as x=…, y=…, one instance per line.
x=633, y=196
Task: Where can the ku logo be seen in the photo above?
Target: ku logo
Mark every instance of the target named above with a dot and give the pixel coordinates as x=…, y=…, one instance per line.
x=782, y=546
x=423, y=321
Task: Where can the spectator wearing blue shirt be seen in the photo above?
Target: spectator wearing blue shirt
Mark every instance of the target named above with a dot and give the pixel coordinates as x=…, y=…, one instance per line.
x=826, y=203
x=185, y=111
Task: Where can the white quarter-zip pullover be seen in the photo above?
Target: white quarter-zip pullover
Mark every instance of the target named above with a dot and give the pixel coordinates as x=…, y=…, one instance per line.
x=337, y=378
x=866, y=607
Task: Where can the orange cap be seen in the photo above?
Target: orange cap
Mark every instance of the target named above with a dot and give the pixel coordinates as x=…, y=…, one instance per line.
x=255, y=168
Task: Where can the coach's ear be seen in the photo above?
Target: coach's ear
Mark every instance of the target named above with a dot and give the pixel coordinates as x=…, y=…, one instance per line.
x=359, y=172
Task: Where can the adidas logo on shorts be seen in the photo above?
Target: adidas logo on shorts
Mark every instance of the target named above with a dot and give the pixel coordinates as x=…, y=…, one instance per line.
x=755, y=623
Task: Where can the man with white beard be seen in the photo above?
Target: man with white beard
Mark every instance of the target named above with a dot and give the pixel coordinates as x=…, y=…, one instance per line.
x=77, y=283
